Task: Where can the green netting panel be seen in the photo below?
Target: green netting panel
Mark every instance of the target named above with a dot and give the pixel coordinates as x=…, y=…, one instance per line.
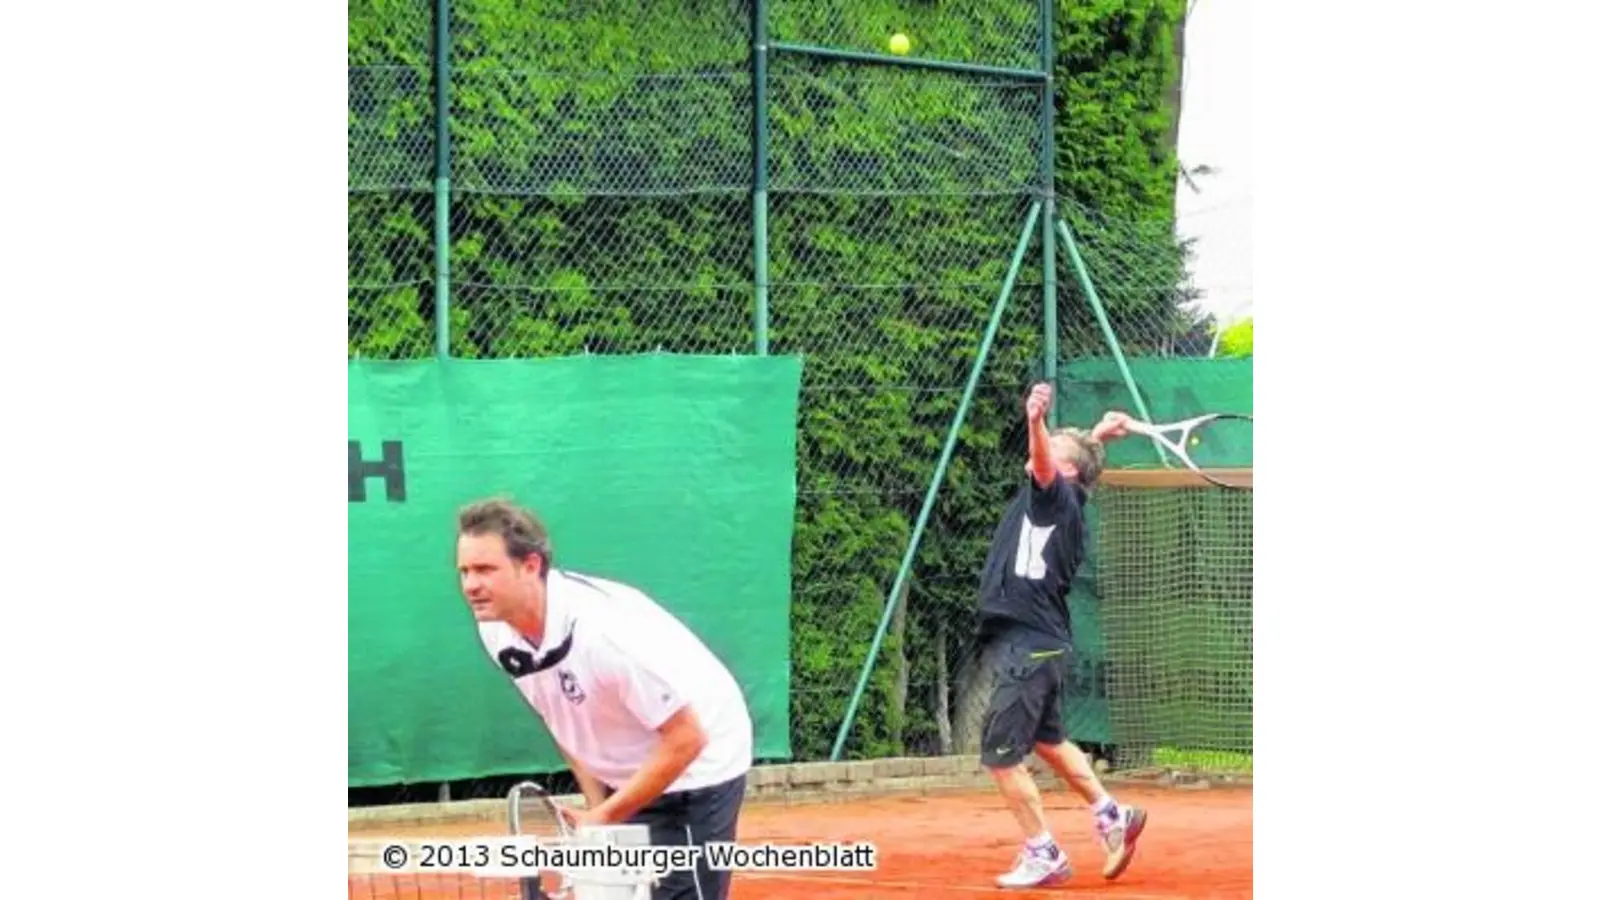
x=1174, y=580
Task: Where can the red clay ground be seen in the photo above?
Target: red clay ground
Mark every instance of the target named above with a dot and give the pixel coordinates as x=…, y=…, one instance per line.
x=1198, y=844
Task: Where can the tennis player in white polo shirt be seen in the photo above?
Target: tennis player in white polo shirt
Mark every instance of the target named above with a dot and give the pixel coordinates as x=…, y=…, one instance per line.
x=652, y=724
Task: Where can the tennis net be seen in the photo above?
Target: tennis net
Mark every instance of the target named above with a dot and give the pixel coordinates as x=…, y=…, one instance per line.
x=1173, y=574
x=370, y=879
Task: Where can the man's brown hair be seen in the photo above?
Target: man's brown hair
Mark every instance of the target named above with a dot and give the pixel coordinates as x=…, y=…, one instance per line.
x=522, y=531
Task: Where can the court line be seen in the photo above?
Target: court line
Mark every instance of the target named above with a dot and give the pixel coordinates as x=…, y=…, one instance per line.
x=1052, y=890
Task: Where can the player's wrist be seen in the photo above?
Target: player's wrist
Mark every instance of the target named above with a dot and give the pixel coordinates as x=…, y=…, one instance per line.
x=1108, y=431
x=606, y=813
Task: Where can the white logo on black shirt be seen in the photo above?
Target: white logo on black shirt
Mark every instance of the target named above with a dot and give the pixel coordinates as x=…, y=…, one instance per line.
x=1030, y=549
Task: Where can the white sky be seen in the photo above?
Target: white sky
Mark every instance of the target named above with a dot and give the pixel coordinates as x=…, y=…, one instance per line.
x=1215, y=131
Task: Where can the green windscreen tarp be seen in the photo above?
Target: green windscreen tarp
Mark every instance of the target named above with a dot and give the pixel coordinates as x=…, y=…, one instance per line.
x=1173, y=389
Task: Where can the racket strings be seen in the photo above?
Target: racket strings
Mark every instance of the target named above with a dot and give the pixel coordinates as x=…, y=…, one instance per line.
x=1218, y=447
x=534, y=814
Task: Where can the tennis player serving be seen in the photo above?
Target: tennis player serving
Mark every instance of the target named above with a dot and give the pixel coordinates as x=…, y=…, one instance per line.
x=1024, y=624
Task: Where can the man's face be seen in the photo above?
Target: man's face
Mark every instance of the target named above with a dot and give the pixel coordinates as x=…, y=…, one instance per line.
x=494, y=585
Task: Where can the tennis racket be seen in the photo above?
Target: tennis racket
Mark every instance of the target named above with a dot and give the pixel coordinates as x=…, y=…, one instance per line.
x=1231, y=430
x=533, y=812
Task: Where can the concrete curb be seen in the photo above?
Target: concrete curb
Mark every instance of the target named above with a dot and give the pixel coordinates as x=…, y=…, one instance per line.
x=811, y=782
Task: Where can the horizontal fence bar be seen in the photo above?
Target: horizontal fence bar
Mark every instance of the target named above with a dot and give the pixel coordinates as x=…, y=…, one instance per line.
x=913, y=62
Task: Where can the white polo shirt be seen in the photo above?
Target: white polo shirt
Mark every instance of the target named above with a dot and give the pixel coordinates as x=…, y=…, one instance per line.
x=612, y=667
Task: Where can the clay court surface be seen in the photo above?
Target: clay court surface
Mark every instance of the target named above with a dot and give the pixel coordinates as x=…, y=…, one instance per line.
x=1197, y=845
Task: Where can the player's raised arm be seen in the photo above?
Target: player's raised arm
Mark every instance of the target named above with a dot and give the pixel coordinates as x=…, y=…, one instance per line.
x=1040, y=463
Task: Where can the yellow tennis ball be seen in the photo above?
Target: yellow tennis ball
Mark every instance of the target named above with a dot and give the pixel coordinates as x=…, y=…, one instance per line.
x=899, y=45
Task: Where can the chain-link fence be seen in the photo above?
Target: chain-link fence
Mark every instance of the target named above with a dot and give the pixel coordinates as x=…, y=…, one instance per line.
x=603, y=191
x=391, y=171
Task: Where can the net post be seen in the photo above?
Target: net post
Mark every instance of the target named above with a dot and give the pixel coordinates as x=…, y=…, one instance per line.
x=441, y=178
x=954, y=432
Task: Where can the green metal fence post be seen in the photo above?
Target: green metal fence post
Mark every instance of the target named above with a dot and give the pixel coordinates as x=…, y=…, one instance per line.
x=759, y=137
x=1047, y=175
x=441, y=177
x=1087, y=283
x=938, y=475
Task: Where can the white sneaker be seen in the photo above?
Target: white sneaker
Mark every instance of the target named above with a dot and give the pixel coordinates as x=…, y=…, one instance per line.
x=1034, y=869
x=1121, y=838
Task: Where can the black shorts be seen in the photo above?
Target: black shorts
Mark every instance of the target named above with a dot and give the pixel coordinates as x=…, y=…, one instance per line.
x=1025, y=707
x=694, y=818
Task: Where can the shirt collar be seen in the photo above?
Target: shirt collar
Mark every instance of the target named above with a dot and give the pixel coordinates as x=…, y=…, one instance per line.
x=558, y=624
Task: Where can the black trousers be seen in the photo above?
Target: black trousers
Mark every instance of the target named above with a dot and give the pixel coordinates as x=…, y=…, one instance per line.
x=685, y=818
x=694, y=818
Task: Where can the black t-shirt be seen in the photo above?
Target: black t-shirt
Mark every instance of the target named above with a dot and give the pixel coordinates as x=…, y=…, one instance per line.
x=1036, y=550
